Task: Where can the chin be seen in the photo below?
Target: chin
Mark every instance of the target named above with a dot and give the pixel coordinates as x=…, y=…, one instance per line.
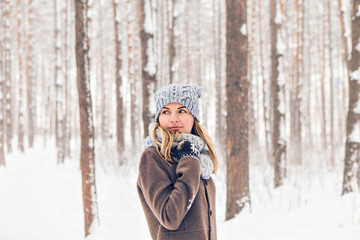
x=176, y=132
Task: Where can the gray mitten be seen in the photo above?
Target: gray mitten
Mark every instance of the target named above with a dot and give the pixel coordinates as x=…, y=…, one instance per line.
x=185, y=149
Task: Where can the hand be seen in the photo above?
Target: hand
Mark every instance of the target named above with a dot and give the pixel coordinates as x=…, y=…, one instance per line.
x=185, y=149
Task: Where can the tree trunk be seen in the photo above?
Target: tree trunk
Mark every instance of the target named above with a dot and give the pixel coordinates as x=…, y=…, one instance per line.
x=171, y=37
x=8, y=77
x=351, y=160
x=323, y=73
x=103, y=92
x=30, y=76
x=131, y=61
x=265, y=88
x=67, y=64
x=343, y=35
x=187, y=41
x=87, y=157
x=148, y=64
x=297, y=100
x=197, y=75
x=47, y=116
x=135, y=83
x=332, y=105
x=219, y=134
x=118, y=77
x=21, y=80
x=4, y=14
x=103, y=83
x=308, y=81
x=252, y=75
x=277, y=92
x=60, y=136
x=237, y=86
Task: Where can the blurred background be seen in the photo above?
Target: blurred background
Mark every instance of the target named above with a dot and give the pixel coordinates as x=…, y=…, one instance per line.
x=293, y=66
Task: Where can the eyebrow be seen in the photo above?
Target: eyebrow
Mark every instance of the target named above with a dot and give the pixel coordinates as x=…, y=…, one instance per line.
x=178, y=107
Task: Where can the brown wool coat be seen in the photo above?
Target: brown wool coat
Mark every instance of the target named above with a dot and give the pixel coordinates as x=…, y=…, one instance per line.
x=167, y=195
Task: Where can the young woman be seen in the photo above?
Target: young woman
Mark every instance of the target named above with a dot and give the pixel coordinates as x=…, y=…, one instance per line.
x=174, y=183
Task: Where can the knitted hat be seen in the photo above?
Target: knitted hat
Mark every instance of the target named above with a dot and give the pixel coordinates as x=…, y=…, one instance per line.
x=185, y=94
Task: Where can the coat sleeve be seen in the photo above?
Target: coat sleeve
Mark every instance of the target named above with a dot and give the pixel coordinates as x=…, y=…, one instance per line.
x=168, y=201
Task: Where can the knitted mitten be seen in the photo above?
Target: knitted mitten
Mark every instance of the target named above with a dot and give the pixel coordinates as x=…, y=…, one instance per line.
x=185, y=149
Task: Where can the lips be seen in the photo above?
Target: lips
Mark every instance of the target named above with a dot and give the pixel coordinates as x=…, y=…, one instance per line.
x=175, y=128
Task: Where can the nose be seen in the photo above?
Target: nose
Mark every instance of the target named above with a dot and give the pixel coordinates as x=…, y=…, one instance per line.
x=174, y=118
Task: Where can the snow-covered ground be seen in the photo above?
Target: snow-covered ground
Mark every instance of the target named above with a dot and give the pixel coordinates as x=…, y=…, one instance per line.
x=40, y=200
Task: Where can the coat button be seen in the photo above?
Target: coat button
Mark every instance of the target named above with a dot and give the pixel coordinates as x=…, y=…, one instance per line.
x=210, y=212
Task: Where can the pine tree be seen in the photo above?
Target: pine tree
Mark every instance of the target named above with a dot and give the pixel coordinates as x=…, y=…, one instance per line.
x=148, y=64
x=118, y=79
x=237, y=86
x=353, y=117
x=277, y=92
x=87, y=156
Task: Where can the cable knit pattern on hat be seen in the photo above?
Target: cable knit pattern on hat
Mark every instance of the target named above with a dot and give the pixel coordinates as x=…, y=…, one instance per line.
x=185, y=94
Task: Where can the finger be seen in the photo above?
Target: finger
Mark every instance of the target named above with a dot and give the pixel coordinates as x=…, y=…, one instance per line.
x=180, y=145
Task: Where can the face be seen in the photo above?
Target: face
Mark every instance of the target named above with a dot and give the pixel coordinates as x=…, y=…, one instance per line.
x=176, y=118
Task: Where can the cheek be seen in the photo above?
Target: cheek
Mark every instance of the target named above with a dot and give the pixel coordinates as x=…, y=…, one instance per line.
x=162, y=121
x=189, y=122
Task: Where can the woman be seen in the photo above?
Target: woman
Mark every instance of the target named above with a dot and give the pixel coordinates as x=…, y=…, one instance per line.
x=174, y=182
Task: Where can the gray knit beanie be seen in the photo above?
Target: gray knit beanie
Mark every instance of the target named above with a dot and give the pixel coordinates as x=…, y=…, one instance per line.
x=185, y=94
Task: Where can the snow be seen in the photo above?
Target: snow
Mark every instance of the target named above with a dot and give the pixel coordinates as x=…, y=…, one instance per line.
x=149, y=25
x=357, y=107
x=150, y=65
x=343, y=5
x=314, y=222
x=355, y=133
x=91, y=143
x=152, y=104
x=94, y=228
x=282, y=134
x=41, y=200
x=243, y=29
x=281, y=107
x=357, y=47
x=280, y=46
x=278, y=16
x=355, y=75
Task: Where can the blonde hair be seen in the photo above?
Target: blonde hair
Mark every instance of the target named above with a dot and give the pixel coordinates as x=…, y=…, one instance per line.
x=168, y=140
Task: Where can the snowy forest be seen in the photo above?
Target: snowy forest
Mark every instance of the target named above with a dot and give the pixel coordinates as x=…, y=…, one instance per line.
x=280, y=98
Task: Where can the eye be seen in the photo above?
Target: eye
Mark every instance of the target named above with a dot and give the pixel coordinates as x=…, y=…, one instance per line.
x=165, y=112
x=182, y=111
